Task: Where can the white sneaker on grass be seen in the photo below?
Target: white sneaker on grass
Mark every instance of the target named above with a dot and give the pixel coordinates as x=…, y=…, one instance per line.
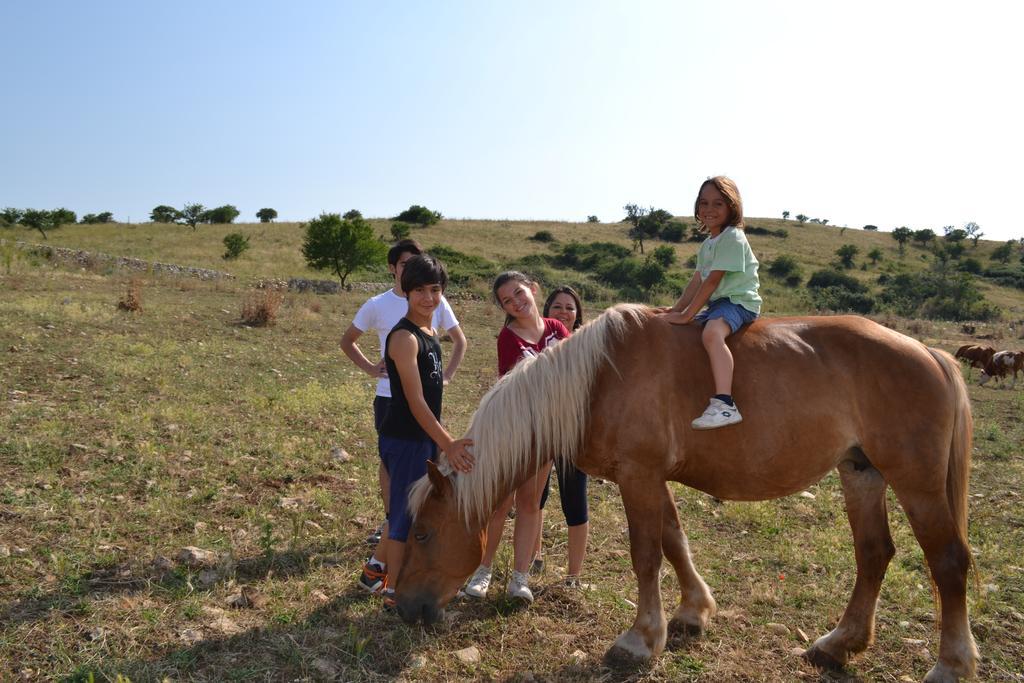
x=478, y=584
x=519, y=588
x=718, y=414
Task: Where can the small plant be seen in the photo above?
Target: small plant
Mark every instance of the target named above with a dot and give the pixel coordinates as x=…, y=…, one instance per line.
x=400, y=231
x=665, y=255
x=420, y=215
x=592, y=219
x=543, y=236
x=132, y=300
x=260, y=308
x=235, y=244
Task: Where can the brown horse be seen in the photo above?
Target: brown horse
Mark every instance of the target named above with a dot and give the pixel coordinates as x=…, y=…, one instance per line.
x=616, y=399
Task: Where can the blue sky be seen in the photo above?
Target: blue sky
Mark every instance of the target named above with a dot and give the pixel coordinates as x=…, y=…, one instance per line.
x=891, y=113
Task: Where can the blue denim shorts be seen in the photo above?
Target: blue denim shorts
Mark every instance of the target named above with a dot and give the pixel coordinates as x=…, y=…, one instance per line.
x=405, y=461
x=733, y=314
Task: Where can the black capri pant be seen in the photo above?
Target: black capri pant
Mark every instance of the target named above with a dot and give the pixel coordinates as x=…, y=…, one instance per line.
x=572, y=488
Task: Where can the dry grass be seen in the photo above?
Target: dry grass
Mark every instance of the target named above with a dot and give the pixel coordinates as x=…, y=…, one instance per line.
x=260, y=307
x=132, y=300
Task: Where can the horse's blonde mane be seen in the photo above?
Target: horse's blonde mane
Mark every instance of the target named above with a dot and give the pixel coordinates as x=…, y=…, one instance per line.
x=538, y=411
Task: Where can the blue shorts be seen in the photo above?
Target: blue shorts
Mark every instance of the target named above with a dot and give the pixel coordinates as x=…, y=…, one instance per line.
x=733, y=314
x=406, y=461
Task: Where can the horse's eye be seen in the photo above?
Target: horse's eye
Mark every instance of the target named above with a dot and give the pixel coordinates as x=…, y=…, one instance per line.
x=421, y=536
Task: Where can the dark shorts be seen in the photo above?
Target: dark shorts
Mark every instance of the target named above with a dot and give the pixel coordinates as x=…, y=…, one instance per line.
x=381, y=404
x=572, y=490
x=734, y=315
x=405, y=461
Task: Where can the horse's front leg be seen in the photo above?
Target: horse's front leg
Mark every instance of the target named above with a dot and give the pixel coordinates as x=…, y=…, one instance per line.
x=696, y=605
x=644, y=503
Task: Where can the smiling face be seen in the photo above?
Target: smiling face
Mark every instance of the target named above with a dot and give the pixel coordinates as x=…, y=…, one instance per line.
x=424, y=299
x=563, y=309
x=713, y=209
x=517, y=299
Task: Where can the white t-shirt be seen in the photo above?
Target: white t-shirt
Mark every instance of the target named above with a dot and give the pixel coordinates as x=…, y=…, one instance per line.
x=382, y=312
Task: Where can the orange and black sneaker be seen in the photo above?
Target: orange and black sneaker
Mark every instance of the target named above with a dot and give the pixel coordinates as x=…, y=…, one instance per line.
x=373, y=577
x=389, y=599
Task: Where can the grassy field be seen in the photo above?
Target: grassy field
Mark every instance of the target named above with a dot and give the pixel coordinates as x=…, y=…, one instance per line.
x=128, y=437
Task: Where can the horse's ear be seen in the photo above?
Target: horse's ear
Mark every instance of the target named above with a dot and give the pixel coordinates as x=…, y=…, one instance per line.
x=440, y=482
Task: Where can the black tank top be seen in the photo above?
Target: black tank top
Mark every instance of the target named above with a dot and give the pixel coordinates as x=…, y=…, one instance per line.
x=399, y=422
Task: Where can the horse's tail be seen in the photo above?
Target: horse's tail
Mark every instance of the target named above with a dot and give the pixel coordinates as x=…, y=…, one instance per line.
x=958, y=469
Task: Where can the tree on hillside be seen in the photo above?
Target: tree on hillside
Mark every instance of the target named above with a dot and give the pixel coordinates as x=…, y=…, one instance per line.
x=846, y=254
x=1004, y=252
x=802, y=218
x=974, y=233
x=419, y=215
x=785, y=215
x=902, y=235
x=192, y=215
x=94, y=218
x=924, y=236
x=222, y=215
x=592, y=219
x=62, y=216
x=954, y=235
x=871, y=227
x=37, y=219
x=634, y=216
x=875, y=255
x=340, y=245
x=352, y=213
x=266, y=215
x=10, y=216
x=164, y=214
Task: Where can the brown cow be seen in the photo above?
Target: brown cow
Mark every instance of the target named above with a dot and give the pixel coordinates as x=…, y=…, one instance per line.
x=1001, y=365
x=975, y=356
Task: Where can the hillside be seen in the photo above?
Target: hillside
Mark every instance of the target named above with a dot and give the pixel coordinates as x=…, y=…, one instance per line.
x=275, y=253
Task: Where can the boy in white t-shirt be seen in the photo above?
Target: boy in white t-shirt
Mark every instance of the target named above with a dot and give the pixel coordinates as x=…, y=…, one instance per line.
x=381, y=313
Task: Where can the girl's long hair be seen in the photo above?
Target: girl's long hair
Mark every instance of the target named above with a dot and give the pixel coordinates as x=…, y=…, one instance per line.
x=732, y=196
x=504, y=278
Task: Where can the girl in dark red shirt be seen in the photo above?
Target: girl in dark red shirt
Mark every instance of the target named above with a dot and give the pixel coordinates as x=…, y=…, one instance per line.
x=526, y=333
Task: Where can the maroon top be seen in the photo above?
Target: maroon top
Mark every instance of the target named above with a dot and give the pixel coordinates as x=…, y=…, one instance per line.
x=512, y=348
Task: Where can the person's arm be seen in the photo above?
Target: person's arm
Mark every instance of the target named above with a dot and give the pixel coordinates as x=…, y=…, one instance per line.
x=703, y=292
x=458, y=352
x=355, y=354
x=403, y=350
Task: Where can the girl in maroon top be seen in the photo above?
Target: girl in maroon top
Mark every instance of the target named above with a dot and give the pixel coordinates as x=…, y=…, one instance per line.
x=525, y=334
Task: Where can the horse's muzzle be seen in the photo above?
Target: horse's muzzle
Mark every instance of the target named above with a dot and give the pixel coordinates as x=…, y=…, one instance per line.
x=413, y=608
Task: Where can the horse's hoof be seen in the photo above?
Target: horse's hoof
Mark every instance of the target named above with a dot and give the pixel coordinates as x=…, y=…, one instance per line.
x=623, y=660
x=822, y=659
x=941, y=673
x=685, y=629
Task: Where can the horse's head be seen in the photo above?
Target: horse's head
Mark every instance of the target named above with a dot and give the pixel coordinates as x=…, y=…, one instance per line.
x=440, y=554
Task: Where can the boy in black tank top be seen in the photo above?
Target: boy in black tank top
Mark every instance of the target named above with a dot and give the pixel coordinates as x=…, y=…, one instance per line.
x=411, y=432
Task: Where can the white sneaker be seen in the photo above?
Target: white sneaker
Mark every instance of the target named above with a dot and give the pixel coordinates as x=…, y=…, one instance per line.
x=478, y=584
x=518, y=587
x=718, y=414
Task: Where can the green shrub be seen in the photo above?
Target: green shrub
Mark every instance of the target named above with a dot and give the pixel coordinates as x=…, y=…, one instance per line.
x=400, y=231
x=420, y=215
x=674, y=231
x=970, y=265
x=833, y=278
x=592, y=219
x=235, y=244
x=543, y=236
x=463, y=268
x=664, y=255
x=937, y=295
x=783, y=266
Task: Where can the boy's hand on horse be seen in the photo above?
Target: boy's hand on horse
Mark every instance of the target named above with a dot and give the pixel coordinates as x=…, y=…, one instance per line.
x=459, y=456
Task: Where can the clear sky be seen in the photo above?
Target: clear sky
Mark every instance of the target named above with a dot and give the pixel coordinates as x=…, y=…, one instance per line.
x=891, y=113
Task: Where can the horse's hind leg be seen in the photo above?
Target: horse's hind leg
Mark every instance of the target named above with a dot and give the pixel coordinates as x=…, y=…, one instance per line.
x=696, y=606
x=646, y=638
x=949, y=559
x=864, y=491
